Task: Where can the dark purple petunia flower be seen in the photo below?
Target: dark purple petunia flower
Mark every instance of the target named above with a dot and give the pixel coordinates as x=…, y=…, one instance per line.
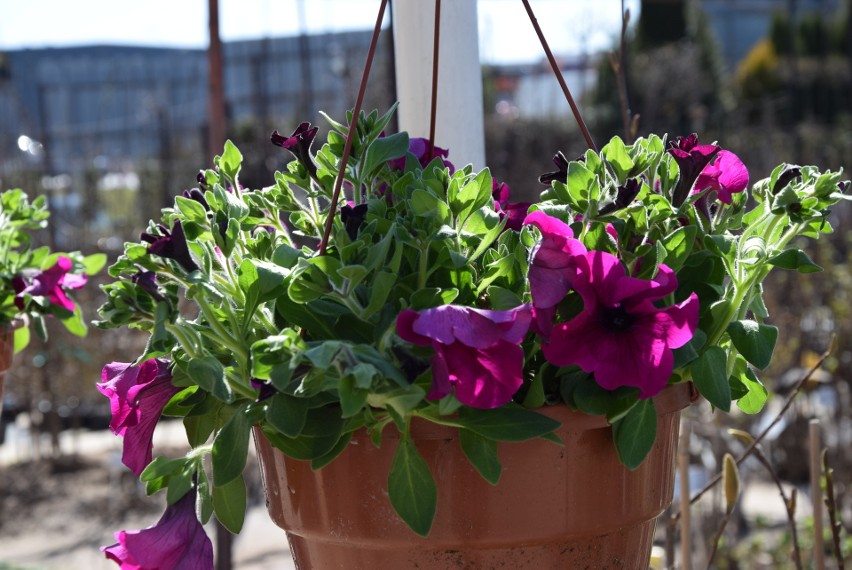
x=171, y=245
x=265, y=389
x=477, y=352
x=147, y=280
x=621, y=336
x=514, y=211
x=624, y=195
x=789, y=173
x=197, y=195
x=176, y=542
x=691, y=159
x=561, y=172
x=353, y=217
x=201, y=178
x=299, y=144
x=726, y=174
x=419, y=147
x=50, y=283
x=137, y=397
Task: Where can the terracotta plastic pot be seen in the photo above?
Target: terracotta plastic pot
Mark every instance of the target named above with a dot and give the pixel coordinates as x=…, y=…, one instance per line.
x=571, y=506
x=7, y=338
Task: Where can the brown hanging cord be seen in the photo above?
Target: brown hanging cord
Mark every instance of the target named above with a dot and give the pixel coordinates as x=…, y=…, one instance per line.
x=559, y=78
x=434, y=80
x=353, y=126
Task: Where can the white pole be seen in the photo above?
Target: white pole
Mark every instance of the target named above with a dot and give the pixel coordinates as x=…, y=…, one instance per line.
x=459, y=123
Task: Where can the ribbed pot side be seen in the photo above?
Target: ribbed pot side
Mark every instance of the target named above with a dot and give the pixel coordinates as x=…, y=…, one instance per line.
x=571, y=506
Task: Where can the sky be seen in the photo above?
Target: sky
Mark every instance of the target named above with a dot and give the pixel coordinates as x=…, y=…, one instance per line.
x=505, y=33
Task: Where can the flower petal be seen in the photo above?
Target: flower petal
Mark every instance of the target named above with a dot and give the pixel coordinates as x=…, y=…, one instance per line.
x=485, y=378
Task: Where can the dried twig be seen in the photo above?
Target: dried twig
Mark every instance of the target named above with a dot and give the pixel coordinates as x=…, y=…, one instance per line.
x=789, y=504
x=816, y=493
x=631, y=122
x=787, y=403
x=831, y=507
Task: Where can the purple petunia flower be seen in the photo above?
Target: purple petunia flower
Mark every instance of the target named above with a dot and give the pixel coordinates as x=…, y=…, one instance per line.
x=514, y=211
x=197, y=195
x=561, y=173
x=51, y=283
x=299, y=144
x=620, y=335
x=691, y=159
x=419, y=147
x=553, y=267
x=172, y=245
x=477, y=352
x=137, y=396
x=726, y=174
x=176, y=542
x=353, y=218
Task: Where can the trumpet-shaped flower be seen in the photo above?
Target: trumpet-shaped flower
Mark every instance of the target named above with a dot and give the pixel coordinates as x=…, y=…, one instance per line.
x=172, y=245
x=51, y=283
x=691, y=159
x=419, y=147
x=176, y=542
x=514, y=211
x=477, y=352
x=137, y=397
x=299, y=144
x=553, y=266
x=621, y=336
x=726, y=174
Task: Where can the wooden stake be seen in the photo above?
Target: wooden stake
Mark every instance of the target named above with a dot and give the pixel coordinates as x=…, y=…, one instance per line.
x=816, y=493
x=683, y=469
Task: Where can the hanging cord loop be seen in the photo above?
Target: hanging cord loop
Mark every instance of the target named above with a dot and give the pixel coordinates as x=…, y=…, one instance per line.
x=559, y=78
x=353, y=126
x=433, y=110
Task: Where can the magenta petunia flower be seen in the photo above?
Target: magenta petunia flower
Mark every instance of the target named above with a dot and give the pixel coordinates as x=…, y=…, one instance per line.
x=176, y=542
x=621, y=336
x=137, y=396
x=726, y=174
x=477, y=352
x=419, y=147
x=52, y=283
x=553, y=267
x=514, y=211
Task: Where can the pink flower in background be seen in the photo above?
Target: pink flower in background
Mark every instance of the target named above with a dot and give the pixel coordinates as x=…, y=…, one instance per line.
x=137, y=397
x=477, y=352
x=419, y=147
x=176, y=542
x=621, y=336
x=726, y=175
x=51, y=283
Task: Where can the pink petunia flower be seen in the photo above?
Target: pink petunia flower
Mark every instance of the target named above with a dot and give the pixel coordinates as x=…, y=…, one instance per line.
x=691, y=159
x=620, y=335
x=726, y=175
x=176, y=542
x=52, y=283
x=553, y=267
x=137, y=396
x=477, y=352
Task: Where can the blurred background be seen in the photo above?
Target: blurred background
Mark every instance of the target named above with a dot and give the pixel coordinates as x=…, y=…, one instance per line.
x=105, y=108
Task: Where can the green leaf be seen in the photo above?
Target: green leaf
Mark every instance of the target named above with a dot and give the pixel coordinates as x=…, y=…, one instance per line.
x=22, y=338
x=229, y=503
x=322, y=430
x=411, y=488
x=231, y=160
x=509, y=423
x=230, y=448
x=209, y=374
x=482, y=454
x=503, y=299
x=287, y=414
x=162, y=467
x=94, y=263
x=753, y=401
x=616, y=155
x=75, y=324
x=795, y=258
x=755, y=341
x=180, y=484
x=384, y=149
x=678, y=246
x=352, y=398
x=339, y=447
x=711, y=378
x=192, y=210
x=204, y=504
x=635, y=433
